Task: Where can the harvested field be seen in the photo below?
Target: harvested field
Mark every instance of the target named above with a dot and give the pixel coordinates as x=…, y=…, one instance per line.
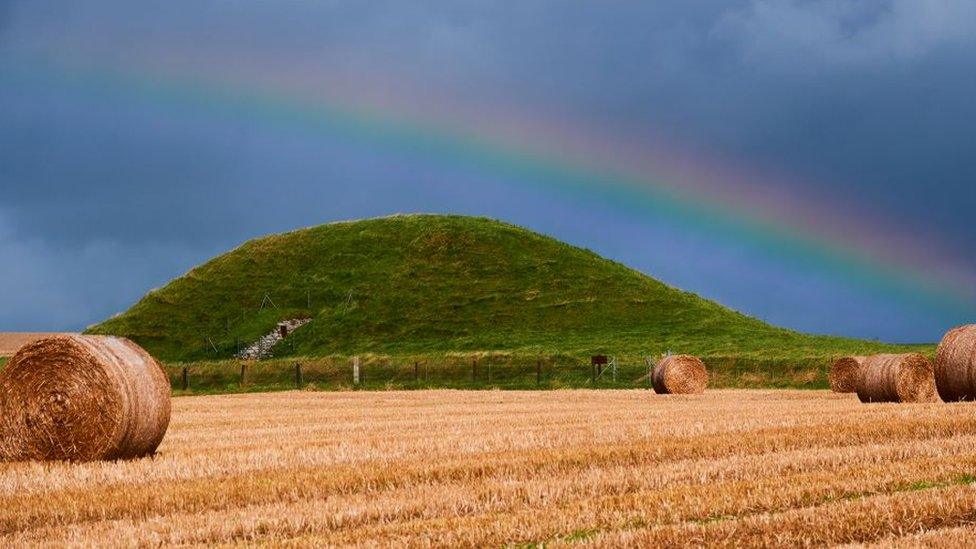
x=491, y=468
x=11, y=341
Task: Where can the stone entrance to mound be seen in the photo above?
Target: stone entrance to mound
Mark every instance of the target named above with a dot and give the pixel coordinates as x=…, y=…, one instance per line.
x=264, y=347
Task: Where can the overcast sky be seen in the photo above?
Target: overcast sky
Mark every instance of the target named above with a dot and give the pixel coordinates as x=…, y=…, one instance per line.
x=122, y=165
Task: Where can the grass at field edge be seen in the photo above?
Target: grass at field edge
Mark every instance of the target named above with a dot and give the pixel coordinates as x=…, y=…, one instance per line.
x=484, y=371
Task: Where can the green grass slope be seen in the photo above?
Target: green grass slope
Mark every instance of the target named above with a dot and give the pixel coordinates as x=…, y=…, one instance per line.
x=422, y=284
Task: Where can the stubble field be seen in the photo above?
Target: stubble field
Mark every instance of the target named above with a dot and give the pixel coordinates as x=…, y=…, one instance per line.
x=515, y=468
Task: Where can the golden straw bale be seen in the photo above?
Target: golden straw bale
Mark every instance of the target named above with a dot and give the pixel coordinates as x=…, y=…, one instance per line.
x=897, y=378
x=955, y=364
x=82, y=398
x=844, y=374
x=679, y=374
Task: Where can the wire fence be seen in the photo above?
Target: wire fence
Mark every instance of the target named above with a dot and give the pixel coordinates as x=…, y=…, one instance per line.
x=372, y=373
x=478, y=372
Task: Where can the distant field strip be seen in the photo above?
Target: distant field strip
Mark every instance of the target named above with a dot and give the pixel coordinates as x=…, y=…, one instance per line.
x=477, y=468
x=11, y=341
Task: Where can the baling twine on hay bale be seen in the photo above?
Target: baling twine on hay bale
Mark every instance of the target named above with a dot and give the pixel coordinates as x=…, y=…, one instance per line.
x=955, y=364
x=82, y=398
x=844, y=374
x=897, y=378
x=679, y=374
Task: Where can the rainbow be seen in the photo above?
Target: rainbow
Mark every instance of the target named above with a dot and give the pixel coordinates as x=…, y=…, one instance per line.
x=638, y=191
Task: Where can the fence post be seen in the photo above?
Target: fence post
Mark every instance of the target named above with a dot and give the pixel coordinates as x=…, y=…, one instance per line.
x=489, y=372
x=355, y=370
x=474, y=370
x=243, y=374
x=186, y=378
x=416, y=372
x=538, y=372
x=298, y=376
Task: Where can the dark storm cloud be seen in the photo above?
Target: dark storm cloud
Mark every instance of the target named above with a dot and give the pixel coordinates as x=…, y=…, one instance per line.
x=4, y=12
x=870, y=100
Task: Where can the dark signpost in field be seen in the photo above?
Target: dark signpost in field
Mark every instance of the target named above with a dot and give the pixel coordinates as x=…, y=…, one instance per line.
x=598, y=362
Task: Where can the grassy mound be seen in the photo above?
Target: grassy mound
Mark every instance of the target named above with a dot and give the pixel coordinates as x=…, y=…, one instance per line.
x=423, y=284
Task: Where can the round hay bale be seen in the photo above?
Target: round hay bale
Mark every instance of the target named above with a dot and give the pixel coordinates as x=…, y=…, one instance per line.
x=82, y=398
x=679, y=375
x=844, y=374
x=955, y=364
x=897, y=378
